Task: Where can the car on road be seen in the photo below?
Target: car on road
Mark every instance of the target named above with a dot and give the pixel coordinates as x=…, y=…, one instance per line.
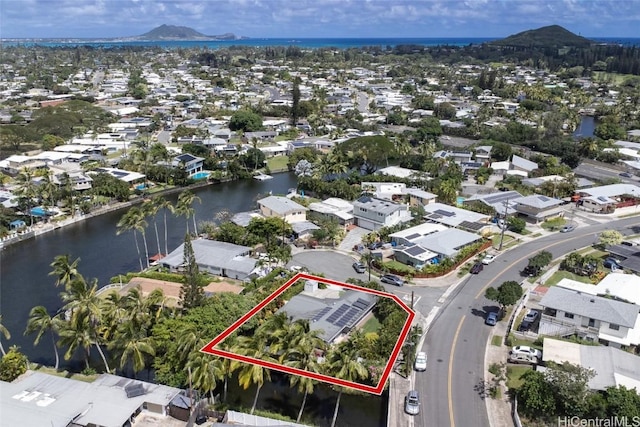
x=567, y=228
x=359, y=267
x=626, y=175
x=392, y=279
x=477, y=268
x=488, y=259
x=412, y=403
x=421, y=362
x=532, y=316
x=525, y=349
x=492, y=318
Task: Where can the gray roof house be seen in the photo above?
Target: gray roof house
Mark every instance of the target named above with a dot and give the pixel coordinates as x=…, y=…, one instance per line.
x=39, y=399
x=219, y=258
x=371, y=213
x=522, y=164
x=282, y=207
x=501, y=201
x=447, y=243
x=328, y=311
x=456, y=217
x=538, y=208
x=569, y=312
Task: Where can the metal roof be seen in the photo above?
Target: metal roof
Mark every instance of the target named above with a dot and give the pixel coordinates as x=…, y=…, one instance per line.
x=281, y=205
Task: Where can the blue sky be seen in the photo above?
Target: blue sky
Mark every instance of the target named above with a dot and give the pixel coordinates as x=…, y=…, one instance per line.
x=318, y=18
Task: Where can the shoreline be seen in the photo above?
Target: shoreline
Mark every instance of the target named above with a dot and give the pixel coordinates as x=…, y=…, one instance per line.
x=42, y=228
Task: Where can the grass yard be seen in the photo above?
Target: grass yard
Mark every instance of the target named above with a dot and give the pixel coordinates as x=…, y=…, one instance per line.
x=496, y=340
x=496, y=240
x=399, y=267
x=561, y=274
x=553, y=224
x=277, y=162
x=66, y=374
x=513, y=375
x=372, y=325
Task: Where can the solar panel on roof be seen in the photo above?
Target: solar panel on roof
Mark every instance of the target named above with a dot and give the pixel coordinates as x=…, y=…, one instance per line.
x=361, y=304
x=415, y=250
x=435, y=216
x=544, y=198
x=321, y=313
x=602, y=199
x=475, y=226
x=413, y=236
x=336, y=314
x=445, y=213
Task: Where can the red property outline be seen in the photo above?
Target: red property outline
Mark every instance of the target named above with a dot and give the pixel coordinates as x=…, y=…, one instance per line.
x=210, y=348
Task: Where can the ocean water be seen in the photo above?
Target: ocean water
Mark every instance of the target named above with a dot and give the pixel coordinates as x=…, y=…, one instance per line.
x=307, y=43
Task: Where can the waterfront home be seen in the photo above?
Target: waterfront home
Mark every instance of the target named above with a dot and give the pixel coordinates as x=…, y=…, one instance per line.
x=372, y=213
x=282, y=207
x=218, y=258
x=129, y=177
x=40, y=399
x=192, y=164
x=333, y=209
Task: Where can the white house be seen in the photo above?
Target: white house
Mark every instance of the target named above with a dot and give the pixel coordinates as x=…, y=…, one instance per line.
x=372, y=213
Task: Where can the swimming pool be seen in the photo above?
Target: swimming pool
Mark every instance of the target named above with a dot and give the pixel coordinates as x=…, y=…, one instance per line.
x=200, y=175
x=459, y=201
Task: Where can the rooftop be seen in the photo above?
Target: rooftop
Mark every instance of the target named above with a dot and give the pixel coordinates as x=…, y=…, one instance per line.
x=281, y=205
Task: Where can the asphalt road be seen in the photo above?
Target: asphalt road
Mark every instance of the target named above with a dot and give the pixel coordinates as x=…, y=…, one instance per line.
x=451, y=387
x=601, y=173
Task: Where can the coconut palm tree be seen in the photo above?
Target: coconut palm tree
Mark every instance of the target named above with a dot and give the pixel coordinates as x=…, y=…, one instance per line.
x=205, y=371
x=26, y=190
x=166, y=206
x=4, y=332
x=343, y=363
x=150, y=210
x=134, y=220
x=76, y=335
x=41, y=321
x=252, y=373
x=64, y=270
x=302, y=354
x=184, y=208
x=132, y=345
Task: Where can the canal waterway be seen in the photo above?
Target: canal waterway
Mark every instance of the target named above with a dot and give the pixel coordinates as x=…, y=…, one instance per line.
x=25, y=283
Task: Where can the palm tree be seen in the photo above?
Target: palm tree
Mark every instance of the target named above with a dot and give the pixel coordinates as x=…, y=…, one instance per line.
x=134, y=220
x=184, y=207
x=41, y=321
x=252, y=373
x=26, y=189
x=151, y=209
x=205, y=371
x=343, y=363
x=133, y=346
x=165, y=205
x=75, y=335
x=367, y=259
x=64, y=270
x=4, y=332
x=301, y=354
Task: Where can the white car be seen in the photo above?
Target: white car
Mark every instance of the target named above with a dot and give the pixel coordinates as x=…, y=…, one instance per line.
x=488, y=259
x=523, y=349
x=421, y=362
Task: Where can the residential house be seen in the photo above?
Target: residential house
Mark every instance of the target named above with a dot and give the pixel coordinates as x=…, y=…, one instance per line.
x=333, y=209
x=452, y=216
x=129, y=177
x=399, y=172
x=569, y=312
x=331, y=312
x=520, y=164
x=612, y=367
x=628, y=256
x=614, y=195
x=192, y=164
x=40, y=399
x=218, y=258
x=372, y=213
x=384, y=190
x=418, y=197
x=483, y=153
x=500, y=203
x=539, y=208
x=282, y=207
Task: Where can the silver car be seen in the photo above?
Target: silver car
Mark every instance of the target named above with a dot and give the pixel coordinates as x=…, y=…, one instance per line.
x=412, y=403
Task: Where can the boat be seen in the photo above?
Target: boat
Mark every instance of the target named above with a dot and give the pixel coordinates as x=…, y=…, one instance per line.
x=262, y=177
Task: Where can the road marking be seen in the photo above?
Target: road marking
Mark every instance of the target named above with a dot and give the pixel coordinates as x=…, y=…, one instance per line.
x=453, y=350
x=483, y=290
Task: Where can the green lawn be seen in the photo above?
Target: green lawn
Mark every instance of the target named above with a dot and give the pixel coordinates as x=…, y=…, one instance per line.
x=496, y=240
x=513, y=375
x=372, y=325
x=277, y=162
x=400, y=267
x=553, y=224
x=561, y=274
x=496, y=340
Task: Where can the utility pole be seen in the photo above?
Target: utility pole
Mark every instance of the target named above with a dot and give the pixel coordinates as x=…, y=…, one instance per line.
x=504, y=225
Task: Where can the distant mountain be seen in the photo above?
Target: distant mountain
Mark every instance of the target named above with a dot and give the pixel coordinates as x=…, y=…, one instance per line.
x=552, y=36
x=174, y=32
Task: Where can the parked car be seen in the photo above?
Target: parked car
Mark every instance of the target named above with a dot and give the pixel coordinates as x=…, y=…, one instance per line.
x=492, y=318
x=421, y=361
x=611, y=263
x=359, y=267
x=412, y=403
x=524, y=326
x=296, y=268
x=375, y=245
x=524, y=349
x=531, y=316
x=522, y=358
x=488, y=259
x=626, y=175
x=477, y=268
x=567, y=228
x=392, y=279
x=531, y=271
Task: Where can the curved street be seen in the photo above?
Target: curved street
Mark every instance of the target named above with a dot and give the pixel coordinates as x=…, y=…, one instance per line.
x=452, y=386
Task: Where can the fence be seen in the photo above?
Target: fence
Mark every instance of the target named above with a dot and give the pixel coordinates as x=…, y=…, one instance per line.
x=516, y=417
x=514, y=315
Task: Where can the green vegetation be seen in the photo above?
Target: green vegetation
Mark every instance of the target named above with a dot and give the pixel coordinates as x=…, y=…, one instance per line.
x=559, y=275
x=553, y=224
x=277, y=163
x=545, y=37
x=513, y=375
x=508, y=293
x=496, y=340
x=372, y=325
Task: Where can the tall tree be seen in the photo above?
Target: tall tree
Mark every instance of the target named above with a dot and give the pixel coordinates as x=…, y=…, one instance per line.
x=295, y=104
x=4, y=332
x=133, y=220
x=41, y=321
x=343, y=363
x=150, y=209
x=252, y=373
x=64, y=270
x=184, y=207
x=166, y=206
x=191, y=292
